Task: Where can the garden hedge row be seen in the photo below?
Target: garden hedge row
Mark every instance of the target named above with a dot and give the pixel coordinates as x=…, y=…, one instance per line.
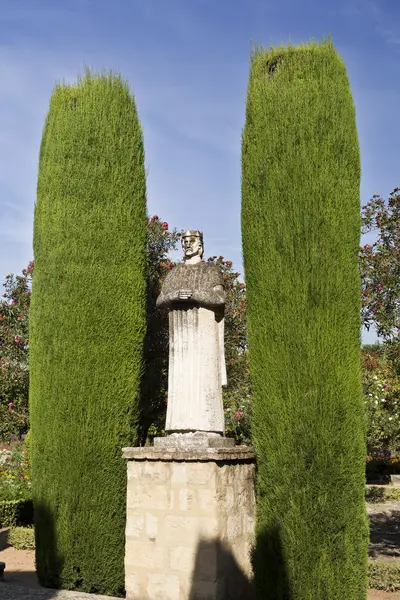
x=16, y=512
x=384, y=575
x=377, y=493
x=22, y=538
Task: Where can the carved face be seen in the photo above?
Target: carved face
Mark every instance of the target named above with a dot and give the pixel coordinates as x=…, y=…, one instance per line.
x=191, y=245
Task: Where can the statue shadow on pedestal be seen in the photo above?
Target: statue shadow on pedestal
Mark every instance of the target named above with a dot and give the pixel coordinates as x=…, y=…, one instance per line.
x=230, y=581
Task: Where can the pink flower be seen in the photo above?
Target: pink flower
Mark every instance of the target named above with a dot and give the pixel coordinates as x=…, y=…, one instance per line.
x=165, y=225
x=19, y=318
x=171, y=266
x=11, y=405
x=17, y=339
x=13, y=301
x=155, y=217
x=239, y=415
x=367, y=247
x=380, y=287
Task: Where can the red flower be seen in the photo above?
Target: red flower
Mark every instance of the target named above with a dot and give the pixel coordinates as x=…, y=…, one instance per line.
x=239, y=415
x=17, y=339
x=380, y=287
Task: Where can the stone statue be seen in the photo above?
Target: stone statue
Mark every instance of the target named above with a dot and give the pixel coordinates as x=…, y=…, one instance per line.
x=195, y=296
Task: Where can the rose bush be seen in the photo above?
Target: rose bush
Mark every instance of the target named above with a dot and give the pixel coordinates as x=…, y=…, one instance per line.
x=380, y=266
x=14, y=353
x=382, y=401
x=380, y=288
x=237, y=394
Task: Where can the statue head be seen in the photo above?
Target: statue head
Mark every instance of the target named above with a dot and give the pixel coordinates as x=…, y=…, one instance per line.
x=192, y=246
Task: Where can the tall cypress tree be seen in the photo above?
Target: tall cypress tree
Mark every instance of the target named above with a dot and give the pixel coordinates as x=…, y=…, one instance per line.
x=301, y=228
x=87, y=328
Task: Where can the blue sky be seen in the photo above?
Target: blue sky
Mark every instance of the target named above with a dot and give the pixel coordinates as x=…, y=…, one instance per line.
x=187, y=64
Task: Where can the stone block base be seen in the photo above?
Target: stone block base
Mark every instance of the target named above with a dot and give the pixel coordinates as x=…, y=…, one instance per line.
x=190, y=520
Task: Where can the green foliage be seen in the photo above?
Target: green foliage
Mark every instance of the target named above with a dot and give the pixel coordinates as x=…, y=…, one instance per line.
x=381, y=383
x=380, y=266
x=16, y=512
x=155, y=376
x=301, y=229
x=22, y=538
x=384, y=575
x=14, y=346
x=87, y=328
x=237, y=394
x=27, y=455
x=378, y=493
x=14, y=479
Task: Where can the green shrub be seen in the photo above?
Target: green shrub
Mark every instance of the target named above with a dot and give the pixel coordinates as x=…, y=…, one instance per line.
x=22, y=538
x=16, y=512
x=27, y=455
x=383, y=575
x=301, y=231
x=14, y=481
x=87, y=325
x=378, y=493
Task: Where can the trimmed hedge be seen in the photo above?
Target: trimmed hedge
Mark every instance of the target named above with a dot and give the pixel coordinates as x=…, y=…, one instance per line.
x=22, y=538
x=301, y=232
x=87, y=324
x=16, y=512
x=377, y=493
x=384, y=575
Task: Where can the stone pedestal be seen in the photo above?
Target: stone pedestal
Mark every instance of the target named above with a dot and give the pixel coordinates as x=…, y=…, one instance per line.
x=190, y=519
